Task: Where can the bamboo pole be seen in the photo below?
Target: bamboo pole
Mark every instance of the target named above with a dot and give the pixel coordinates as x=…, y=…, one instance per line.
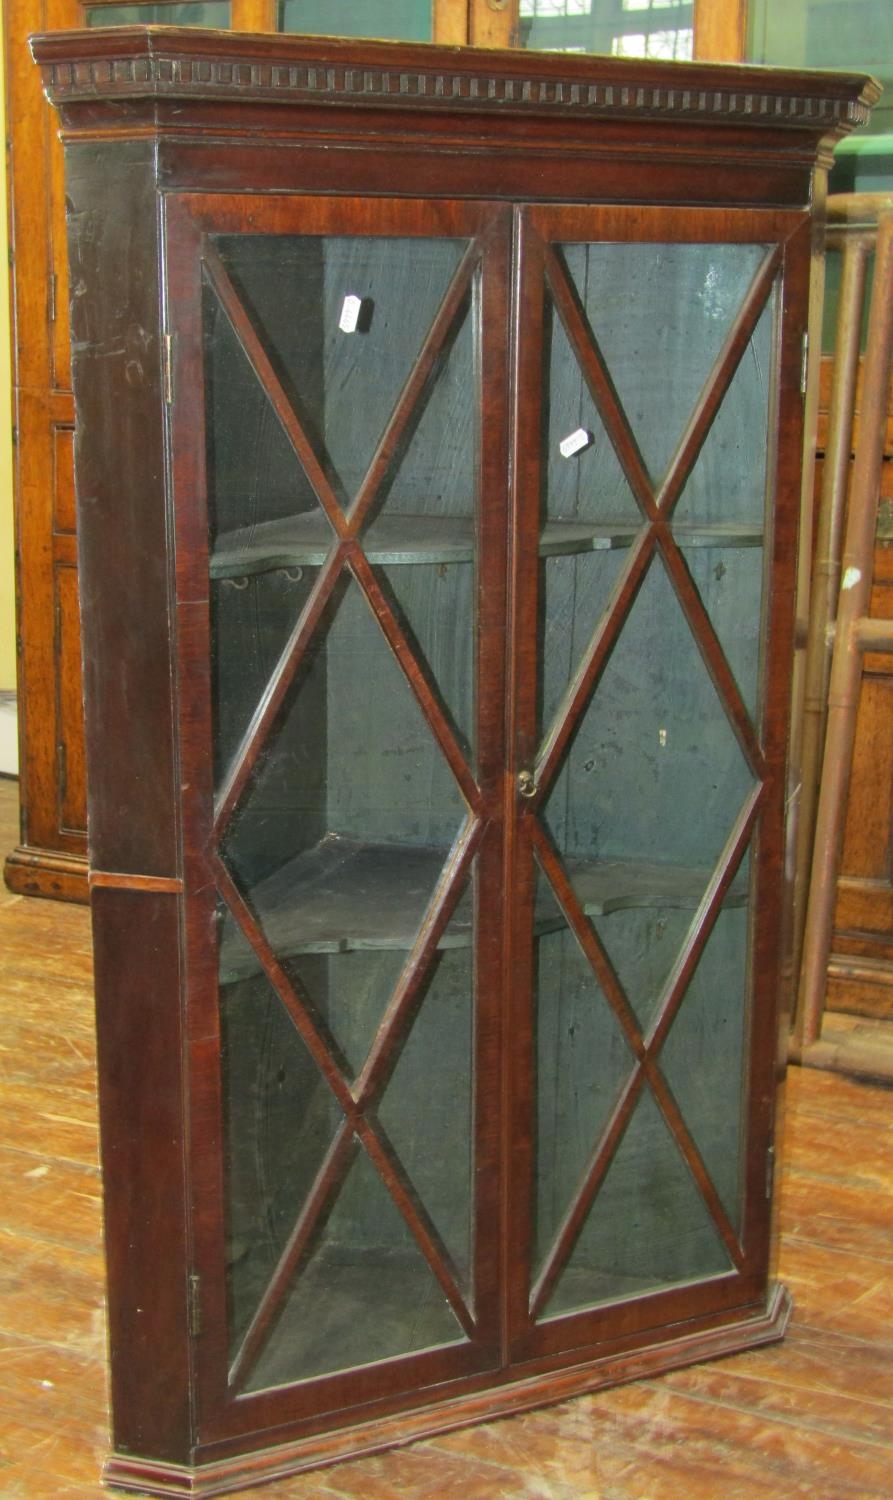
x=826, y=565
x=846, y=664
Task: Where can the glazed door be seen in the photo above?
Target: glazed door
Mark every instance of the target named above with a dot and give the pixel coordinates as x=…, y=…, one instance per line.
x=650, y=772
x=345, y=617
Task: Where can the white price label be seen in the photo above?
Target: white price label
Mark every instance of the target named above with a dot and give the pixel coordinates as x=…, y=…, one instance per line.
x=575, y=442
x=350, y=314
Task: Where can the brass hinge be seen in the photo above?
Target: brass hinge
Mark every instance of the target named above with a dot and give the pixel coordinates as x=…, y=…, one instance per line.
x=195, y=1305
x=770, y=1172
x=804, y=364
x=167, y=360
x=51, y=298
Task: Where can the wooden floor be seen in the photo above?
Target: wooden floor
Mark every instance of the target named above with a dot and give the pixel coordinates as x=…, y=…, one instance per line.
x=812, y=1417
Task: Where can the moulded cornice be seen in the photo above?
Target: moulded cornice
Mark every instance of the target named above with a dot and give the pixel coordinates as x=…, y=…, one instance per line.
x=165, y=63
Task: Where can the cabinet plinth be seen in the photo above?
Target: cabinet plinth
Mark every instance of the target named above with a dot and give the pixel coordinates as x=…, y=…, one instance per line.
x=438, y=435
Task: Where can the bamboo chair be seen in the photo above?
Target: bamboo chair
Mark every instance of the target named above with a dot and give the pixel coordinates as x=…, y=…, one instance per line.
x=837, y=639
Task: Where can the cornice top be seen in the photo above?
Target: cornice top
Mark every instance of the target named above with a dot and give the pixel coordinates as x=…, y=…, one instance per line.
x=156, y=62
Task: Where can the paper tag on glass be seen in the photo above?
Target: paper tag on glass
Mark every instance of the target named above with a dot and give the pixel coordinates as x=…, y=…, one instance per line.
x=350, y=314
x=575, y=442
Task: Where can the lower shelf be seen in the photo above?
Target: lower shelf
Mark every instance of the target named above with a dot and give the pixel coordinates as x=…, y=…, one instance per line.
x=344, y=895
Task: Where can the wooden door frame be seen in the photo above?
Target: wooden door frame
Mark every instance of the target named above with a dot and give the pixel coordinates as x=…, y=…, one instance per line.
x=223, y=1408
x=789, y=231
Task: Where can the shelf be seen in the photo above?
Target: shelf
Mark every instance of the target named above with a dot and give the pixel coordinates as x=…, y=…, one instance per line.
x=345, y=896
x=304, y=541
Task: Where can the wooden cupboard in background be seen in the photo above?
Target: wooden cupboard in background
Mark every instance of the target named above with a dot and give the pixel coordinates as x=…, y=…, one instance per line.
x=860, y=968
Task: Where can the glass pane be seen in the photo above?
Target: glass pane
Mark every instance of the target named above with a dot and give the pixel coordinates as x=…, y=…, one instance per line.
x=581, y=1062
x=430, y=504
x=363, y=1293
x=426, y=1111
x=655, y=777
x=342, y=801
x=391, y=20
x=703, y=1058
x=624, y=28
x=657, y=765
x=208, y=13
x=660, y=315
x=279, y=1119
x=648, y=1228
x=345, y=359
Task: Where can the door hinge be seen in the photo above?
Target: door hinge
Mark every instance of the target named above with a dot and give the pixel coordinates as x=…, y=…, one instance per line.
x=51, y=297
x=62, y=767
x=804, y=364
x=770, y=1172
x=167, y=361
x=194, y=1298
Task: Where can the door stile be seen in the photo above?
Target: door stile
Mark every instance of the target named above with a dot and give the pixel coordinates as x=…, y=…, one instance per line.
x=183, y=291
x=527, y=323
x=493, y=894
x=768, y=1039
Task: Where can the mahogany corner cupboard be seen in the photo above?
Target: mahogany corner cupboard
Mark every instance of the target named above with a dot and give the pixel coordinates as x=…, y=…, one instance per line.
x=439, y=418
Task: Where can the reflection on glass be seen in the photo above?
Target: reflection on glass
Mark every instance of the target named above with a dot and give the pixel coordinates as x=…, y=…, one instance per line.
x=622, y=28
x=390, y=20
x=205, y=13
x=341, y=807
x=657, y=768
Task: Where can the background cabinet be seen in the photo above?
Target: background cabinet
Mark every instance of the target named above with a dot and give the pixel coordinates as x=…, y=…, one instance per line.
x=447, y=527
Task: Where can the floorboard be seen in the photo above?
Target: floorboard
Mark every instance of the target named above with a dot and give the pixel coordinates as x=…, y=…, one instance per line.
x=811, y=1417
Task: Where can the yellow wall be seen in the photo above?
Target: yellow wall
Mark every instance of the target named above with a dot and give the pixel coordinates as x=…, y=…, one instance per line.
x=7, y=571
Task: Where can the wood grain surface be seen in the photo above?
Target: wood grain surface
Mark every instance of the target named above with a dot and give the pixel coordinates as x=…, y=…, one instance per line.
x=812, y=1416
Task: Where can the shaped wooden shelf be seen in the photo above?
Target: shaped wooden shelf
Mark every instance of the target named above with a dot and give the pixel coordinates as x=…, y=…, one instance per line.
x=304, y=541
x=345, y=896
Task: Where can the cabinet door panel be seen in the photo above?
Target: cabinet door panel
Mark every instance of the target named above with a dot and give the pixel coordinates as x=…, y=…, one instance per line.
x=340, y=383
x=652, y=369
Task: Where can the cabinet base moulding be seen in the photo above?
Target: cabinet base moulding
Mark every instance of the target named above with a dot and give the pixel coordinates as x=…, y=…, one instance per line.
x=222, y=1477
x=42, y=872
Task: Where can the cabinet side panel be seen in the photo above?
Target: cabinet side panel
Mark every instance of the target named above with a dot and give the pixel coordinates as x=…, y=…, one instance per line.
x=120, y=478
x=136, y=941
